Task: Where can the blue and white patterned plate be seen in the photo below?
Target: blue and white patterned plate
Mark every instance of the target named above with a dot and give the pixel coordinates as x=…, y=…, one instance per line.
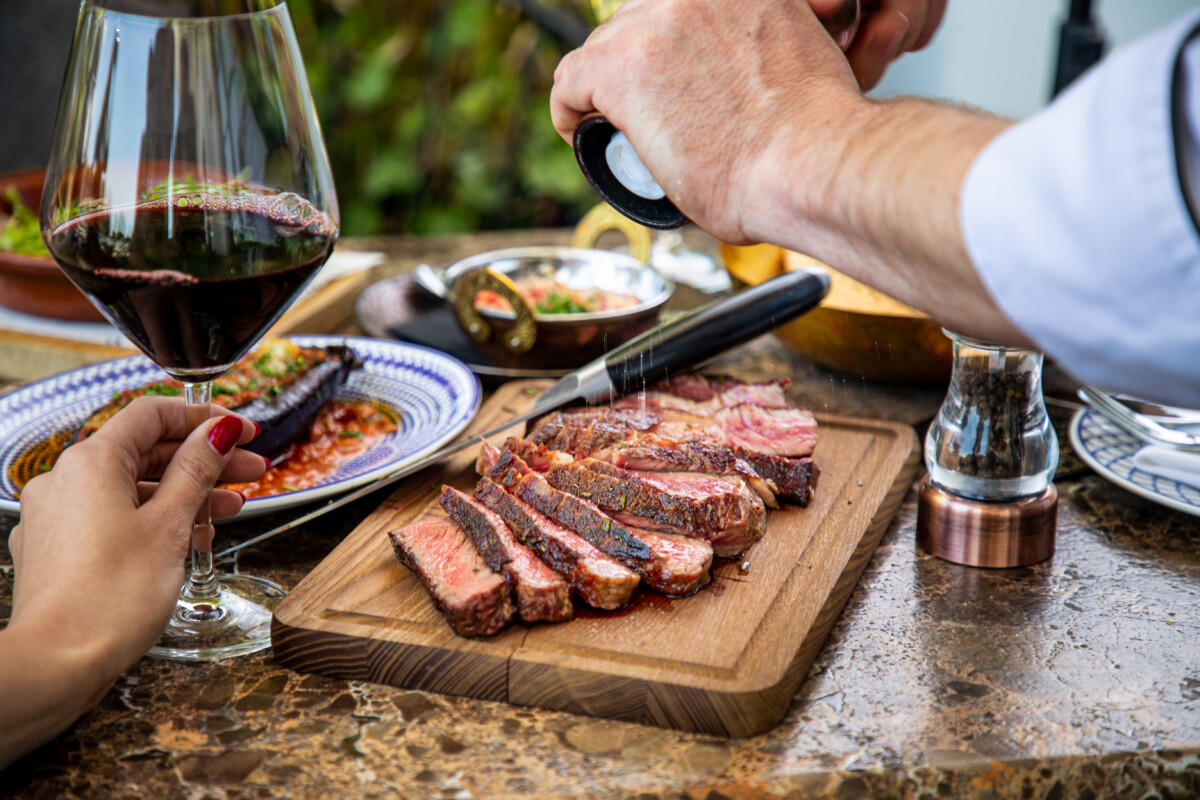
x=433, y=395
x=1109, y=451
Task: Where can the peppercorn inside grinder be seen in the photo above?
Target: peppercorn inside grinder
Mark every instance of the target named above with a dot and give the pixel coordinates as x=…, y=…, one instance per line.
x=988, y=500
x=615, y=171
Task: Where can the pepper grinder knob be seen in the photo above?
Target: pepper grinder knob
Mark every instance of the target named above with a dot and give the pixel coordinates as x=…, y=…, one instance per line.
x=615, y=171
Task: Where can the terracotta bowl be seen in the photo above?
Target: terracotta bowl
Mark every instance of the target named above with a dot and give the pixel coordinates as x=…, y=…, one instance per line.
x=31, y=284
x=564, y=341
x=856, y=329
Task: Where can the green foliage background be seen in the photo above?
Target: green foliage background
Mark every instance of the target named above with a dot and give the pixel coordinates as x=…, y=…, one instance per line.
x=436, y=115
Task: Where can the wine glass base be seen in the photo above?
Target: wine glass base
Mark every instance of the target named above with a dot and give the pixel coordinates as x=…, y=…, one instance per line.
x=237, y=624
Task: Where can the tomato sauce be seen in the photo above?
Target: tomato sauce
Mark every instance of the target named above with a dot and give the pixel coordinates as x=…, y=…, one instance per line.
x=341, y=432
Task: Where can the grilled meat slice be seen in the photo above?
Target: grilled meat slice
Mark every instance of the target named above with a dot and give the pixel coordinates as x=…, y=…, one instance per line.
x=685, y=503
x=475, y=600
x=794, y=478
x=633, y=449
x=540, y=593
x=600, y=581
x=769, y=431
x=667, y=564
x=703, y=396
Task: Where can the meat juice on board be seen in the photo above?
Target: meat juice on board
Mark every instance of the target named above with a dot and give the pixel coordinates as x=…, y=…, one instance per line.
x=194, y=279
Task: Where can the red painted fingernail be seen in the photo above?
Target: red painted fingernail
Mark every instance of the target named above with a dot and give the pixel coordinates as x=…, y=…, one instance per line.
x=225, y=433
x=257, y=428
x=239, y=494
x=266, y=460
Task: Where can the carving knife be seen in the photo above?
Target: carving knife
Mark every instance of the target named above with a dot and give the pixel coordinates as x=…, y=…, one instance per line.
x=686, y=341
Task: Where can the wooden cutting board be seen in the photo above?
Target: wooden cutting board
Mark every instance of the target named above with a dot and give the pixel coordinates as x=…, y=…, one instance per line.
x=726, y=661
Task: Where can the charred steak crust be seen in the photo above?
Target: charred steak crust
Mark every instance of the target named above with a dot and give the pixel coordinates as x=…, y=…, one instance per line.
x=541, y=595
x=715, y=510
x=794, y=478
x=600, y=581
x=672, y=565
x=474, y=600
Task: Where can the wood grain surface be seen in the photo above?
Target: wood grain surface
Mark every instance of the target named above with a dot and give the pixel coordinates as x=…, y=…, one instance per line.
x=726, y=660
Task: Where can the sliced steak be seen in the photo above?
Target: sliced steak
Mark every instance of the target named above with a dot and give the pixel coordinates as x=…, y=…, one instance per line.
x=725, y=390
x=540, y=593
x=769, y=431
x=647, y=452
x=599, y=581
x=685, y=503
x=696, y=394
x=667, y=564
x=475, y=600
x=794, y=478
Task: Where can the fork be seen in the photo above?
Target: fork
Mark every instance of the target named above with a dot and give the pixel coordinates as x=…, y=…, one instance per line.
x=1136, y=424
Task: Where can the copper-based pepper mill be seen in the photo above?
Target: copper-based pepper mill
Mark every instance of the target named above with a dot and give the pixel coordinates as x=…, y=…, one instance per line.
x=991, y=452
x=618, y=175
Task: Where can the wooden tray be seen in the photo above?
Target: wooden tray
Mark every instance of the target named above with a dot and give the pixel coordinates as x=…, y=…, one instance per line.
x=727, y=660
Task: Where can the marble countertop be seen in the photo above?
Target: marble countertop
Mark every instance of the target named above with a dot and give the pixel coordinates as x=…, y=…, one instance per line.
x=1078, y=677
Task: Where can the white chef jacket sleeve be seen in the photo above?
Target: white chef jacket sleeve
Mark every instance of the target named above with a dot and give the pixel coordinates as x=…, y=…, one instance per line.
x=1078, y=222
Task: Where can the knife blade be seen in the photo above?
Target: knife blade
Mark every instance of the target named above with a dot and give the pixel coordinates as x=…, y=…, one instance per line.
x=686, y=341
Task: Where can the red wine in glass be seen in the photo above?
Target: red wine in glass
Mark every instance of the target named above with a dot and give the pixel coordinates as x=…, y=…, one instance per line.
x=189, y=195
x=195, y=279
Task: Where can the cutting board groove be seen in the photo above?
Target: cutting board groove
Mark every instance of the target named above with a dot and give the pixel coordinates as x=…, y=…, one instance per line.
x=726, y=661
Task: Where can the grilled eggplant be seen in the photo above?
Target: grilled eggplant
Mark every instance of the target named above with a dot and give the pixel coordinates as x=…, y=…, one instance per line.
x=280, y=385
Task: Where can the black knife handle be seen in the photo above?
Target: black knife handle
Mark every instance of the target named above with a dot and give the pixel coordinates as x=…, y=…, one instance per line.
x=710, y=330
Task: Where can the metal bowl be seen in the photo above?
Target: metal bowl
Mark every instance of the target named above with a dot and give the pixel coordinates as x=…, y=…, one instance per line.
x=529, y=339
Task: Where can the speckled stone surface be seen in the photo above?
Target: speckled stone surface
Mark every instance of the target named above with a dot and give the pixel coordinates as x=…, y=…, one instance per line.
x=1076, y=678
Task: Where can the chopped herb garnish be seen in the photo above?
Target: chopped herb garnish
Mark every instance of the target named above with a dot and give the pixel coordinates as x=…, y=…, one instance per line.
x=606, y=525
x=45, y=467
x=350, y=435
x=560, y=303
x=287, y=487
x=162, y=390
x=218, y=389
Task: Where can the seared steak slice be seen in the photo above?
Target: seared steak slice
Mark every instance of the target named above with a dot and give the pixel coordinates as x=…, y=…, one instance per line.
x=540, y=593
x=684, y=503
x=696, y=394
x=646, y=452
x=475, y=600
x=726, y=391
x=794, y=478
x=668, y=564
x=770, y=431
x=599, y=581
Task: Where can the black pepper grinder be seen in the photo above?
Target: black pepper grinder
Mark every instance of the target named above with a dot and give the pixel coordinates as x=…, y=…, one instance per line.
x=617, y=173
x=988, y=500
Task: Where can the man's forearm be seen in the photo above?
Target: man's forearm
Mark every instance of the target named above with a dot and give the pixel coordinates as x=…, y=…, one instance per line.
x=875, y=193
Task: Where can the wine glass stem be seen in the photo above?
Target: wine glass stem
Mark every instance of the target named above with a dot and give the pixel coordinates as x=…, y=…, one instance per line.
x=201, y=587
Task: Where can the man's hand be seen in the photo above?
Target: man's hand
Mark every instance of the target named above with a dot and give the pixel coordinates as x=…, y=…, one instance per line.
x=707, y=91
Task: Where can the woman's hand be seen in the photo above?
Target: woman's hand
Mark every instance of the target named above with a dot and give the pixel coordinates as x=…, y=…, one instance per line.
x=99, y=557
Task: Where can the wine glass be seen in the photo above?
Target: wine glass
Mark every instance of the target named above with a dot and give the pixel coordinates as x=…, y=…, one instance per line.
x=189, y=196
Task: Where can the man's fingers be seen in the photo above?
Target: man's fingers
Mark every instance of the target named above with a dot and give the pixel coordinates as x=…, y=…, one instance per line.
x=570, y=99
x=879, y=40
x=197, y=464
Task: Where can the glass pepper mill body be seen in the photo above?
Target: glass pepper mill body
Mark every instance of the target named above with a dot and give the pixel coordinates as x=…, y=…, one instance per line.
x=991, y=453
